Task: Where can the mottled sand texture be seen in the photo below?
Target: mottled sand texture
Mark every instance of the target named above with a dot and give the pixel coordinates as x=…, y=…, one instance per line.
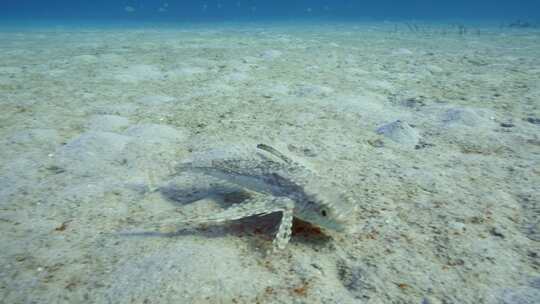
x=435, y=131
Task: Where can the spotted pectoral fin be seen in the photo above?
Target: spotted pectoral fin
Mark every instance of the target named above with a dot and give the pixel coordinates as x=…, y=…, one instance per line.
x=283, y=235
x=257, y=205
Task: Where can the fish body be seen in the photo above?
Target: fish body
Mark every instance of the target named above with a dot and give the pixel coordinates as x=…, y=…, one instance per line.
x=281, y=184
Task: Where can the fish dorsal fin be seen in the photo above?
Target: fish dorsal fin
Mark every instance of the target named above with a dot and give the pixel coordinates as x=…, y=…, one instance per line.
x=275, y=152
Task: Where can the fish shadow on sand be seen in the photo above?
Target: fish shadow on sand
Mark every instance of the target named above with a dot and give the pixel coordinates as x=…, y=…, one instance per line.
x=224, y=195
x=259, y=229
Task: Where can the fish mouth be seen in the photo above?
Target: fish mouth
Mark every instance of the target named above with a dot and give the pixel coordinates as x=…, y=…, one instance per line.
x=303, y=227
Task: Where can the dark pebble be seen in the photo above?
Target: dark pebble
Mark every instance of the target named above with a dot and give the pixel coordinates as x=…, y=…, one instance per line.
x=533, y=120
x=496, y=232
x=507, y=125
x=413, y=102
x=422, y=145
x=377, y=143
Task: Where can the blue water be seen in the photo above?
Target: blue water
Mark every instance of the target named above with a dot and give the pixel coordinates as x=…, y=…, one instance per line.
x=237, y=10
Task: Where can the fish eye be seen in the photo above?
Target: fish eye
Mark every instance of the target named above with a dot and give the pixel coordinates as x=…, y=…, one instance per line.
x=323, y=212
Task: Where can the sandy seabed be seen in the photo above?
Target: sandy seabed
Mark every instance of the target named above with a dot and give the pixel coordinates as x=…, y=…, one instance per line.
x=436, y=131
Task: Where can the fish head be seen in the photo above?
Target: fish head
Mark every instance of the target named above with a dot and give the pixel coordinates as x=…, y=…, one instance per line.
x=327, y=209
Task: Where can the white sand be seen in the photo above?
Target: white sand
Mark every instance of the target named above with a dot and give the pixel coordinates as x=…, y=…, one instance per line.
x=92, y=120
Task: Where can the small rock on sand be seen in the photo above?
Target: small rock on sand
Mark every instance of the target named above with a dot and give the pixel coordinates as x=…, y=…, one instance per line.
x=400, y=132
x=462, y=116
x=91, y=152
x=533, y=120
